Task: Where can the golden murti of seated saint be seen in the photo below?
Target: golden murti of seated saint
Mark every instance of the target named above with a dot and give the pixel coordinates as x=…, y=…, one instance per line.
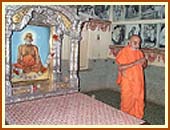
x=28, y=57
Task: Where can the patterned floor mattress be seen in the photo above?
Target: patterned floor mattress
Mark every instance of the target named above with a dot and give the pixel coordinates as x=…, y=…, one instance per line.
x=70, y=109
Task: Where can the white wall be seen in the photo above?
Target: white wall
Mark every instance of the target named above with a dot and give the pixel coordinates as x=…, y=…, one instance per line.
x=84, y=49
x=98, y=48
x=90, y=46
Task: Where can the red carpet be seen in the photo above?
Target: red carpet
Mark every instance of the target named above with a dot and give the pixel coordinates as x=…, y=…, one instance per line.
x=71, y=109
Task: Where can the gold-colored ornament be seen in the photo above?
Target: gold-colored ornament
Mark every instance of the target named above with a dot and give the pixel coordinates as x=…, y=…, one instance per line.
x=17, y=18
x=66, y=21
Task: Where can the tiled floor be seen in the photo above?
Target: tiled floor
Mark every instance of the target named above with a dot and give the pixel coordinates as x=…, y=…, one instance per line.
x=154, y=114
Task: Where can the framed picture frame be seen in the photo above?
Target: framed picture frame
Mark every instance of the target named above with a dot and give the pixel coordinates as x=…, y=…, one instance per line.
x=122, y=33
x=118, y=34
x=30, y=58
x=149, y=35
x=162, y=36
x=132, y=11
x=137, y=12
x=152, y=11
x=94, y=11
x=152, y=34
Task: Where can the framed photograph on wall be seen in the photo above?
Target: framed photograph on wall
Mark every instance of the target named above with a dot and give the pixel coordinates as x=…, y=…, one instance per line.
x=122, y=33
x=126, y=12
x=94, y=11
x=152, y=11
x=118, y=34
x=132, y=29
x=162, y=36
x=102, y=11
x=152, y=35
x=138, y=12
x=118, y=12
x=149, y=35
x=132, y=12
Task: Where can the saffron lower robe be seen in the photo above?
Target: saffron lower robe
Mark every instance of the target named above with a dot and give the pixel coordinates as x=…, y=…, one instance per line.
x=131, y=82
x=29, y=59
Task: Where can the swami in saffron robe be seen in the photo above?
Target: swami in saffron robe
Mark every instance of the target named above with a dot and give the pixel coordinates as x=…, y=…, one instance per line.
x=29, y=59
x=131, y=82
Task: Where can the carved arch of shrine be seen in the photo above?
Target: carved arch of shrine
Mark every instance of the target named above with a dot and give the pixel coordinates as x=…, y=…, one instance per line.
x=65, y=22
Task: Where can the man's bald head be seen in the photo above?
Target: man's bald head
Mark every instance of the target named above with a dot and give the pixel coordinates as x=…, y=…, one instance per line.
x=135, y=41
x=135, y=37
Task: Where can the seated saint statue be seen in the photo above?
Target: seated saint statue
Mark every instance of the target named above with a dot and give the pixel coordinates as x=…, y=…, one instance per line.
x=28, y=57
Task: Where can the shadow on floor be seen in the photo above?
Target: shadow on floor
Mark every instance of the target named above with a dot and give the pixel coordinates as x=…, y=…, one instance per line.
x=154, y=114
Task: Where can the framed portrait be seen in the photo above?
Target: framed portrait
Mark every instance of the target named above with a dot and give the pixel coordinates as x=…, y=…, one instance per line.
x=102, y=11
x=118, y=34
x=138, y=12
x=126, y=12
x=122, y=33
x=149, y=35
x=94, y=11
x=29, y=54
x=132, y=12
x=152, y=35
x=162, y=36
x=132, y=29
x=152, y=11
x=118, y=12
